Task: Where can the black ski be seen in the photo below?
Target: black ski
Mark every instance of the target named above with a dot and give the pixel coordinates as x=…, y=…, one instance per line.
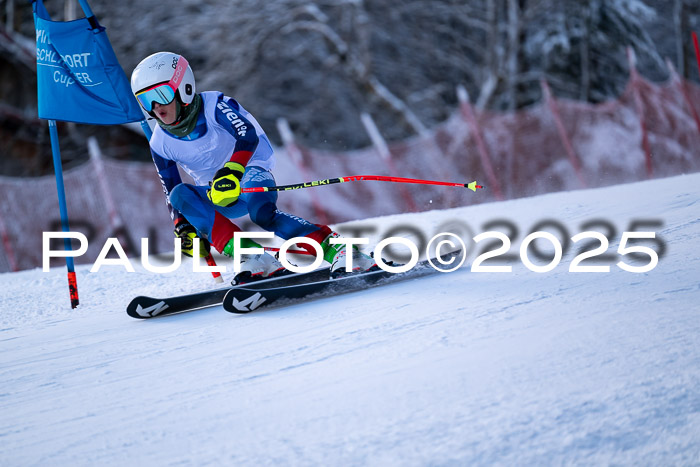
x=143, y=307
x=245, y=299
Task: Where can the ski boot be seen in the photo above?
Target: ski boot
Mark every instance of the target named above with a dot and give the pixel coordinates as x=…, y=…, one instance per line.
x=337, y=255
x=255, y=267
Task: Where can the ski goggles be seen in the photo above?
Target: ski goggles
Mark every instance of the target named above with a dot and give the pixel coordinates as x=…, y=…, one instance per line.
x=161, y=93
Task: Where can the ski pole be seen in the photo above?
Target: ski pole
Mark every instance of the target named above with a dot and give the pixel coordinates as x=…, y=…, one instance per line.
x=216, y=274
x=358, y=178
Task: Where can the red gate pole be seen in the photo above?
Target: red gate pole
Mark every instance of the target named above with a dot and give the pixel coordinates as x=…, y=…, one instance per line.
x=566, y=141
x=639, y=105
x=383, y=150
x=469, y=116
x=697, y=49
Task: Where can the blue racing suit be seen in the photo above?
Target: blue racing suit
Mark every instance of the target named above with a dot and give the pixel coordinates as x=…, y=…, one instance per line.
x=224, y=131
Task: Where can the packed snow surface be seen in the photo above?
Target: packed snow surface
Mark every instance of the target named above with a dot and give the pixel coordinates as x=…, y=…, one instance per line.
x=465, y=368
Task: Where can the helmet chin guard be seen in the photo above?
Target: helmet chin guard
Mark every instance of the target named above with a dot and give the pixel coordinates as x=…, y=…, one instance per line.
x=165, y=67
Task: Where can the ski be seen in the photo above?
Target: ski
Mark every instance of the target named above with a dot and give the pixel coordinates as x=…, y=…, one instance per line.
x=144, y=307
x=245, y=299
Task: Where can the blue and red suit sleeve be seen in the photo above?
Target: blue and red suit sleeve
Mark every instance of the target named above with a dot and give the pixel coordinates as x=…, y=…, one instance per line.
x=169, y=179
x=228, y=116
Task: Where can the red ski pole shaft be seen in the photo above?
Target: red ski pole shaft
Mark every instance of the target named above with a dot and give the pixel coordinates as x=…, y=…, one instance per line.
x=216, y=274
x=360, y=178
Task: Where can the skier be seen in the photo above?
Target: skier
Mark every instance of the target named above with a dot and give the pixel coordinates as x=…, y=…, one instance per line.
x=223, y=148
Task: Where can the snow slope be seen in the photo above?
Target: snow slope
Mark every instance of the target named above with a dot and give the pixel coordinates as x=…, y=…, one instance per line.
x=465, y=368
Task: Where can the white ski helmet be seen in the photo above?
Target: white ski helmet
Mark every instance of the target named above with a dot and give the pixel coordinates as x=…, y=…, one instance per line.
x=161, y=68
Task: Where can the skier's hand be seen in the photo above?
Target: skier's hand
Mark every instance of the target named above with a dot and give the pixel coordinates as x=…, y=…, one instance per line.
x=186, y=233
x=226, y=186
